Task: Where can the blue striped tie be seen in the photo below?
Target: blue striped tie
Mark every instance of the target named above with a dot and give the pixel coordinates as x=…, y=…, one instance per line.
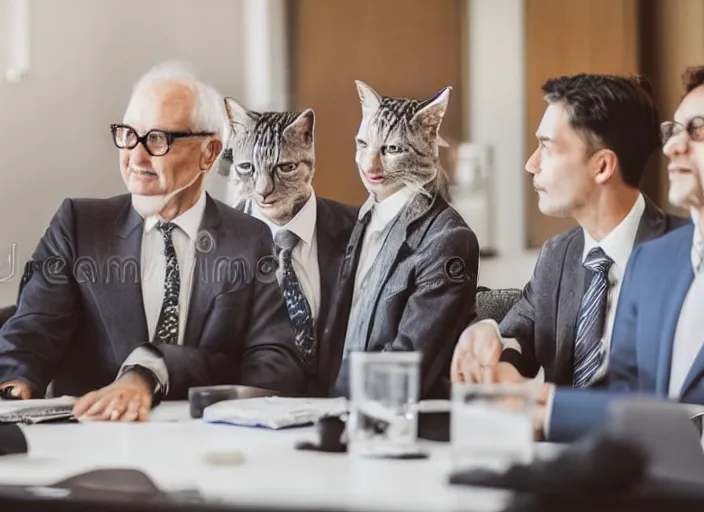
x=589, y=352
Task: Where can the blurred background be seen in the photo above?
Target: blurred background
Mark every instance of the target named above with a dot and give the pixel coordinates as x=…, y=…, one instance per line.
x=67, y=68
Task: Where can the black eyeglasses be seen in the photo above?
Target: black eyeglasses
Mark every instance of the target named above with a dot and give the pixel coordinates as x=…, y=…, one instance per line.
x=694, y=128
x=156, y=142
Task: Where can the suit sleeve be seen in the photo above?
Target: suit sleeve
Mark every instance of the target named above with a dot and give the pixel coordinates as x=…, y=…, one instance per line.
x=577, y=412
x=33, y=340
x=264, y=355
x=441, y=303
x=519, y=324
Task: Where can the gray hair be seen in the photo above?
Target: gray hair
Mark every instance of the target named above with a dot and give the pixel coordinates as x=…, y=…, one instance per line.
x=209, y=111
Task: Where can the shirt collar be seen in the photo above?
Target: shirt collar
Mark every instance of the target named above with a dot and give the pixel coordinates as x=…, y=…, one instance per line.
x=618, y=244
x=188, y=221
x=302, y=224
x=385, y=211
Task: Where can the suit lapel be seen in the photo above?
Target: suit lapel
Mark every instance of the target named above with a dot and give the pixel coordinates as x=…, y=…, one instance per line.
x=118, y=292
x=572, y=288
x=653, y=223
x=208, y=254
x=336, y=324
x=329, y=258
x=393, y=248
x=671, y=307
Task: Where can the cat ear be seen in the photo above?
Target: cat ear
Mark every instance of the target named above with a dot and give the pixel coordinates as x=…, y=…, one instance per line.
x=302, y=128
x=368, y=97
x=430, y=116
x=240, y=118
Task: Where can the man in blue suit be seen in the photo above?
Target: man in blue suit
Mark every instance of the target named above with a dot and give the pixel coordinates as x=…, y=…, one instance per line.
x=658, y=337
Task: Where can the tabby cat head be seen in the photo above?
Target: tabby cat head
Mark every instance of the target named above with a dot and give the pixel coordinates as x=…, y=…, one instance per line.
x=397, y=143
x=273, y=159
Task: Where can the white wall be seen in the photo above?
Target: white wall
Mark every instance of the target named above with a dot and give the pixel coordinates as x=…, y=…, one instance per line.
x=86, y=54
x=496, y=119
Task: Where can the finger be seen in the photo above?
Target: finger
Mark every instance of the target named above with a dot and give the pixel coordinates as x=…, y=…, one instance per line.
x=145, y=408
x=85, y=402
x=98, y=407
x=133, y=406
x=115, y=408
x=488, y=375
x=474, y=370
x=455, y=372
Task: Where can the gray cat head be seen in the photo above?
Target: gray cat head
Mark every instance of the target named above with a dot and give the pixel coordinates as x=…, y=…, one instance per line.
x=397, y=143
x=272, y=158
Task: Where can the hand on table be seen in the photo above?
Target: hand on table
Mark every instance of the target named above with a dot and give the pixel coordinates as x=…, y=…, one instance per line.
x=477, y=352
x=20, y=389
x=127, y=399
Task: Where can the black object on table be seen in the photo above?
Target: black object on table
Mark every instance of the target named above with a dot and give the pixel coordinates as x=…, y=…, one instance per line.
x=201, y=397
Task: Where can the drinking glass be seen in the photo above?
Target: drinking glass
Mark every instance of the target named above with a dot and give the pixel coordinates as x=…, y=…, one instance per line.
x=384, y=389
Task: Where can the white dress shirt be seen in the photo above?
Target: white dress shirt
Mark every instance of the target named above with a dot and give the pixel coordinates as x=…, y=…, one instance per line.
x=688, y=339
x=305, y=254
x=153, y=270
x=617, y=245
x=382, y=215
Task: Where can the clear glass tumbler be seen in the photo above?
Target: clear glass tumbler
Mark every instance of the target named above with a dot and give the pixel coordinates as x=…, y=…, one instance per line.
x=384, y=389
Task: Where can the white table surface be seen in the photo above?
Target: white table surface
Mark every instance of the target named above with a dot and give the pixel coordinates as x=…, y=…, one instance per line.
x=171, y=448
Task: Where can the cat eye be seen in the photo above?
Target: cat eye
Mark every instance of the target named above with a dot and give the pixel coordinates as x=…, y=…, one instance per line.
x=361, y=143
x=392, y=149
x=244, y=168
x=694, y=128
x=288, y=167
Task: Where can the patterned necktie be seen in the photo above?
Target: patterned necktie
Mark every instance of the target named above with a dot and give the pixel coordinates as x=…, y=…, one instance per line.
x=167, y=327
x=297, y=305
x=589, y=352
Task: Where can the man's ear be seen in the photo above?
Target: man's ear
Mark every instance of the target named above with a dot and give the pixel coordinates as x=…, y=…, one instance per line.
x=606, y=165
x=212, y=150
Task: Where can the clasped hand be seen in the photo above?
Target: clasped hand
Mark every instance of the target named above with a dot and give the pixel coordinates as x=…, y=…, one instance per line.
x=477, y=360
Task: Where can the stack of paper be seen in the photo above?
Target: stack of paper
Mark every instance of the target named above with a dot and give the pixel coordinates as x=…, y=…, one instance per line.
x=274, y=412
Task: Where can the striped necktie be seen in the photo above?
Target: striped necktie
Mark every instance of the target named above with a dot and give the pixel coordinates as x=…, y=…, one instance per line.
x=589, y=351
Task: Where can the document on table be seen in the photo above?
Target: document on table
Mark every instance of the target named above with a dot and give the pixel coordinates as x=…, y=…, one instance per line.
x=274, y=412
x=8, y=406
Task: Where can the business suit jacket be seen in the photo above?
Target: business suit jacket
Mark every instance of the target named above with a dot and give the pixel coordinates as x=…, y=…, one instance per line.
x=81, y=313
x=421, y=292
x=657, y=279
x=334, y=223
x=544, y=320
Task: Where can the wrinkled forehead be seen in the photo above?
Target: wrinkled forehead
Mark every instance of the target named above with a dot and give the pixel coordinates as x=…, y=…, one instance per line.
x=392, y=118
x=692, y=105
x=165, y=105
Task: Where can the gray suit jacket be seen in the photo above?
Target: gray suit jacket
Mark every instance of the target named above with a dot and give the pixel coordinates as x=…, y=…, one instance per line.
x=544, y=320
x=421, y=292
x=81, y=313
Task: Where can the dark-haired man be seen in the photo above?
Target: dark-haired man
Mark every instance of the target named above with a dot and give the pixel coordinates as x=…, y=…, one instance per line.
x=594, y=141
x=657, y=341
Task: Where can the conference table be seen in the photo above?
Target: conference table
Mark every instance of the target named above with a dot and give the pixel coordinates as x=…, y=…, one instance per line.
x=263, y=468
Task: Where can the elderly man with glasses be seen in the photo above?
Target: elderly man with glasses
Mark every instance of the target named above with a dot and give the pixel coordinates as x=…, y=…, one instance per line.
x=141, y=296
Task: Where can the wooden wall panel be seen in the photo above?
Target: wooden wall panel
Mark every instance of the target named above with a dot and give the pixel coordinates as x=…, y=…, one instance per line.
x=672, y=40
x=399, y=47
x=566, y=37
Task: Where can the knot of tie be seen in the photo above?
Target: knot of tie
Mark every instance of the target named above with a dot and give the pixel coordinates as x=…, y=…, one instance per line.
x=166, y=228
x=286, y=240
x=597, y=261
